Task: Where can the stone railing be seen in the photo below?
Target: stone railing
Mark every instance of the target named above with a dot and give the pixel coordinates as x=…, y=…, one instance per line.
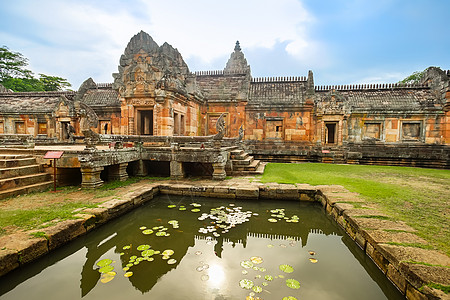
x=279, y=79
x=209, y=141
x=374, y=86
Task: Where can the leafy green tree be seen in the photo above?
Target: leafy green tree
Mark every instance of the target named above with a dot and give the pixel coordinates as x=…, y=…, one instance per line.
x=23, y=84
x=12, y=64
x=53, y=83
x=15, y=76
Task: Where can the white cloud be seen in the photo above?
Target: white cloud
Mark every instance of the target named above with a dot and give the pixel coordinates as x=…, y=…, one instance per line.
x=79, y=39
x=209, y=29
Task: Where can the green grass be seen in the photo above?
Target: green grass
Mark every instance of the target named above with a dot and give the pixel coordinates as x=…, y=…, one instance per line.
x=34, y=218
x=417, y=196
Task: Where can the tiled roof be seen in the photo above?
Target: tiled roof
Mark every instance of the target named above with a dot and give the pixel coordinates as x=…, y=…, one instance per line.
x=26, y=104
x=277, y=92
x=101, y=97
x=391, y=100
x=382, y=100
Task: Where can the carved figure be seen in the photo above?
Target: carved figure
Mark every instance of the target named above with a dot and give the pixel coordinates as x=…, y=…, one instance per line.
x=70, y=132
x=220, y=127
x=241, y=133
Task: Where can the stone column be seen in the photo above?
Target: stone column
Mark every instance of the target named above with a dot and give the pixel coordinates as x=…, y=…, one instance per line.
x=118, y=172
x=90, y=177
x=176, y=170
x=219, y=171
x=141, y=168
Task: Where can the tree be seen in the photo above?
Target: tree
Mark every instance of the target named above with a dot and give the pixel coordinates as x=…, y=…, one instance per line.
x=12, y=64
x=53, y=83
x=14, y=75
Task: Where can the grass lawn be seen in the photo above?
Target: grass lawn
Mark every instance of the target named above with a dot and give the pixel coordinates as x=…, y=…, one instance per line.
x=37, y=210
x=420, y=197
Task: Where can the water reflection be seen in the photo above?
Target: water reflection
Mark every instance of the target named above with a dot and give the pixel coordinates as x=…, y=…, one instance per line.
x=209, y=267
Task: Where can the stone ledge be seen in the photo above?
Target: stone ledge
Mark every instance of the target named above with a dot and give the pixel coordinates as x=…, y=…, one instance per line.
x=63, y=232
x=372, y=234
x=26, y=246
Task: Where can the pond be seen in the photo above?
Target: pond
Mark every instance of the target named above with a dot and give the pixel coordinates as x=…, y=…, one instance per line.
x=200, y=248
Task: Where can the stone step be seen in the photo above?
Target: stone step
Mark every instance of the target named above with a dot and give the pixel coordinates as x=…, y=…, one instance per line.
x=19, y=181
x=243, y=162
x=37, y=187
x=19, y=171
x=17, y=162
x=237, y=152
x=14, y=156
x=241, y=156
x=250, y=167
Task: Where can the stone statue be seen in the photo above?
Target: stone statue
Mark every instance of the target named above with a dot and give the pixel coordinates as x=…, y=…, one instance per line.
x=220, y=127
x=88, y=119
x=241, y=133
x=70, y=132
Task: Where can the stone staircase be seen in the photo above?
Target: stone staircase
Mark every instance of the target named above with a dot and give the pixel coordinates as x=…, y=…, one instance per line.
x=333, y=156
x=20, y=174
x=244, y=164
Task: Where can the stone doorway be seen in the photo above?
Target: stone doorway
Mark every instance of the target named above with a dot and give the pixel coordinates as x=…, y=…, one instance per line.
x=145, y=122
x=330, y=133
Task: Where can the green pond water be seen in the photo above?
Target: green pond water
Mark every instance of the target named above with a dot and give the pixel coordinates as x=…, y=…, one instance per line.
x=204, y=248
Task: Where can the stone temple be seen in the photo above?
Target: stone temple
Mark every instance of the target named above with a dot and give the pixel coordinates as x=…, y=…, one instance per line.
x=155, y=96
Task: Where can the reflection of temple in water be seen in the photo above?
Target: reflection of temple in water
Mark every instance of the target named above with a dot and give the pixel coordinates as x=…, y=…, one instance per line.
x=147, y=274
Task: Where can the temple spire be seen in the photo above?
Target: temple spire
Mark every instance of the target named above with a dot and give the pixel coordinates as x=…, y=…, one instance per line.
x=237, y=47
x=237, y=64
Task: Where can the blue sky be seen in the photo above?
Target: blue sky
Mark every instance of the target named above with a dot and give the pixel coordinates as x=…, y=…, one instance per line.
x=342, y=41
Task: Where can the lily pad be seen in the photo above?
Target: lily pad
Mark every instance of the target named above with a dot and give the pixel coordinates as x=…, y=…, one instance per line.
x=171, y=261
x=143, y=247
x=147, y=231
x=289, y=298
x=171, y=206
x=165, y=257
x=293, y=284
x=133, y=257
x=204, y=278
x=264, y=283
x=256, y=260
x=104, y=262
x=143, y=227
x=161, y=233
x=107, y=277
x=257, y=289
x=195, y=210
x=129, y=265
x=125, y=268
x=168, y=252
x=272, y=220
x=246, y=284
x=126, y=247
x=246, y=264
x=148, y=252
x=128, y=274
x=106, y=269
x=286, y=268
x=268, y=277
x=182, y=208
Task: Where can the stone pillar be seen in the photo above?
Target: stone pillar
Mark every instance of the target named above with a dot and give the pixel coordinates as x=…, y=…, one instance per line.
x=118, y=172
x=219, y=171
x=141, y=168
x=176, y=170
x=90, y=177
